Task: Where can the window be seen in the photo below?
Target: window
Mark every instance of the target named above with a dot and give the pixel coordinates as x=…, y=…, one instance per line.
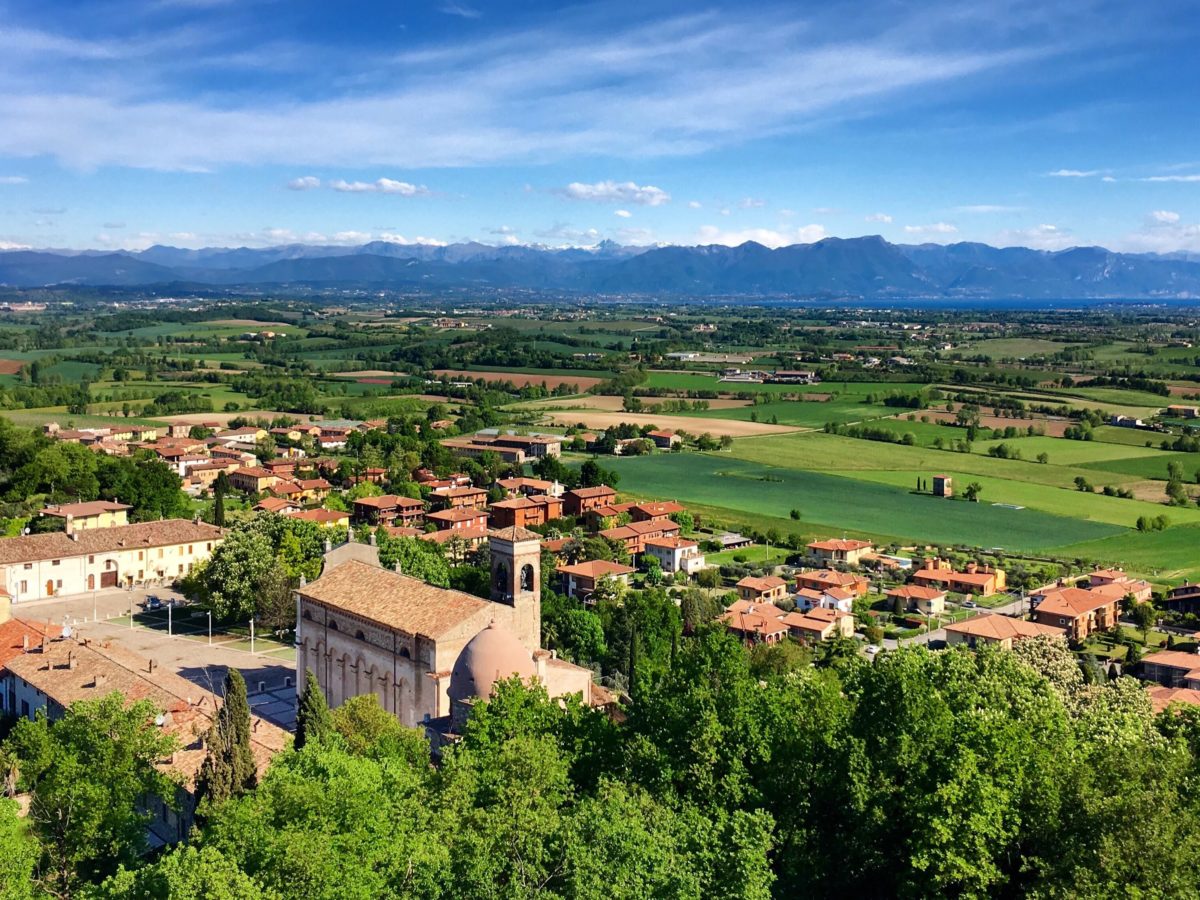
x=189, y=549
x=160, y=552
x=208, y=547
x=24, y=586
x=28, y=565
x=91, y=559
x=58, y=584
x=56, y=562
x=141, y=554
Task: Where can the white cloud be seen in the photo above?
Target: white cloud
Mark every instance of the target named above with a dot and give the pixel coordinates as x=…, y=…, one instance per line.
x=379, y=186
x=768, y=237
x=350, y=237
x=623, y=213
x=580, y=83
x=883, y=218
x=305, y=183
x=752, y=203
x=615, y=192
x=935, y=228
x=1073, y=173
x=1175, y=179
x=1165, y=216
x=503, y=230
x=13, y=179
x=724, y=211
x=452, y=8
x=1108, y=179
x=565, y=234
x=12, y=245
x=1038, y=237
x=401, y=239
x=826, y=210
x=694, y=204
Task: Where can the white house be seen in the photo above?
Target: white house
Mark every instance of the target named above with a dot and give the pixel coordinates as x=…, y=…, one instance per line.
x=676, y=554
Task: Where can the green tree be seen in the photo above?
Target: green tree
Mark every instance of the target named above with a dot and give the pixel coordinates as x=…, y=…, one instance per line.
x=186, y=873
x=367, y=729
x=313, y=722
x=229, y=770
x=18, y=854
x=972, y=491
x=89, y=776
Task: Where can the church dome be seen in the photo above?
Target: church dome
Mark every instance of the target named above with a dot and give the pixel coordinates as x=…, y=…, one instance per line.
x=492, y=655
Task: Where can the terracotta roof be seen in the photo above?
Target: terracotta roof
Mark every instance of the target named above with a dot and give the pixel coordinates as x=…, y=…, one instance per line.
x=1162, y=697
x=515, y=484
x=462, y=492
x=768, y=583
x=31, y=547
x=1071, y=602
x=829, y=615
x=997, y=627
x=600, y=490
x=456, y=515
x=514, y=534
x=190, y=709
x=978, y=579
x=660, y=508
x=674, y=542
x=314, y=484
x=753, y=623
x=596, y=569
x=1173, y=659
x=274, y=504
x=838, y=593
x=916, y=592
x=760, y=607
x=90, y=508
x=14, y=632
x=807, y=622
x=830, y=577
x=843, y=545
x=398, y=601
x=388, y=501
x=446, y=535
x=254, y=472
x=322, y=516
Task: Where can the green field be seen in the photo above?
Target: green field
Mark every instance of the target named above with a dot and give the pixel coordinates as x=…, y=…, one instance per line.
x=847, y=503
x=1017, y=348
x=800, y=413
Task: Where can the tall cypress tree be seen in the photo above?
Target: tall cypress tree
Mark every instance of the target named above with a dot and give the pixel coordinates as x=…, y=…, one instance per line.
x=229, y=769
x=220, y=486
x=313, y=722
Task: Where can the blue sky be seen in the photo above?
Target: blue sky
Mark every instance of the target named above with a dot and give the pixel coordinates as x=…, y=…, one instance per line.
x=125, y=123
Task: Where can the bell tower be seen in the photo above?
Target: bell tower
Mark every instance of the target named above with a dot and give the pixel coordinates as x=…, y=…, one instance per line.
x=517, y=581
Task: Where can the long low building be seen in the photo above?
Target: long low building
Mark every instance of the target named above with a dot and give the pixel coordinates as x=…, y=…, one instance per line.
x=37, y=566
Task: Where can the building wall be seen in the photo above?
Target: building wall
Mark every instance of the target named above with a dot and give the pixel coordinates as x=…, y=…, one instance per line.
x=79, y=574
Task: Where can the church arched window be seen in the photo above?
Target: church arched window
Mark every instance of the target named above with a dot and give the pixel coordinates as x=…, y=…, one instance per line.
x=358, y=635
x=527, y=577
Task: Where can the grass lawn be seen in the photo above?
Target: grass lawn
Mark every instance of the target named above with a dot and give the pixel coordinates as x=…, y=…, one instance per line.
x=755, y=554
x=1154, y=466
x=1169, y=556
x=1017, y=348
x=812, y=414
x=1064, y=452
x=846, y=503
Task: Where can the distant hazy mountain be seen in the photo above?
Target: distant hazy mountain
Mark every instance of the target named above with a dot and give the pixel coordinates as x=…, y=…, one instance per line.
x=866, y=267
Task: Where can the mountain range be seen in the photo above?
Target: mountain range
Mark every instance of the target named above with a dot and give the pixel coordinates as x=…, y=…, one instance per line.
x=834, y=268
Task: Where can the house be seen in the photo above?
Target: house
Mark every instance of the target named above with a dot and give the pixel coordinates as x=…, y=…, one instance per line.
x=283, y=468
x=580, y=580
x=916, y=598
x=526, y=512
x=458, y=519
x=471, y=537
x=474, y=450
x=1172, y=668
x=287, y=433
x=314, y=490
x=459, y=498
x=529, y=486
x=757, y=625
x=533, y=446
x=943, y=486
x=251, y=434
x=56, y=673
x=819, y=624
x=1185, y=598
x=845, y=552
x=36, y=566
x=1079, y=612
x=1116, y=581
x=252, y=479
x=822, y=580
x=92, y=514
x=731, y=540
x=1177, y=411
x=201, y=477
x=648, y=512
x=277, y=505
x=664, y=440
x=1002, y=631
x=635, y=534
x=580, y=500
x=762, y=590
x=675, y=554
x=599, y=518
x=328, y=518
x=1161, y=698
x=981, y=580
x=388, y=510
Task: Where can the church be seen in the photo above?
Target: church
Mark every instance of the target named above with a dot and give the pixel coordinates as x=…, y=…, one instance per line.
x=428, y=652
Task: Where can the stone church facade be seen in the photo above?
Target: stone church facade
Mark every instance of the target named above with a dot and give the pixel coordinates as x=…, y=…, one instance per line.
x=363, y=629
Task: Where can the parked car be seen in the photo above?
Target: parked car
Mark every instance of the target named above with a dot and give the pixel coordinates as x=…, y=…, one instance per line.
x=152, y=603
x=872, y=649
x=970, y=604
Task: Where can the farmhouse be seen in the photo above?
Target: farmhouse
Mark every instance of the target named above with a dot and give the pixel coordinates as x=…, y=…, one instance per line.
x=36, y=566
x=580, y=580
x=846, y=552
x=822, y=580
x=981, y=580
x=915, y=598
x=762, y=624
x=675, y=554
x=1177, y=411
x=664, y=440
x=819, y=624
x=762, y=590
x=1078, y=612
x=388, y=510
x=92, y=514
x=1002, y=631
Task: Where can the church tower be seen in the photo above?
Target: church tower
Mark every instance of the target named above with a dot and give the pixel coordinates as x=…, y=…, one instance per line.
x=517, y=581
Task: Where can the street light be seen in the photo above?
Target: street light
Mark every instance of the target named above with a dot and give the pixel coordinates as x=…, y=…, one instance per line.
x=210, y=628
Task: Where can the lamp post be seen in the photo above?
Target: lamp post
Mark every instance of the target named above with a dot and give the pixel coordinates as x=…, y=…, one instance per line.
x=170, y=606
x=210, y=628
x=251, y=634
